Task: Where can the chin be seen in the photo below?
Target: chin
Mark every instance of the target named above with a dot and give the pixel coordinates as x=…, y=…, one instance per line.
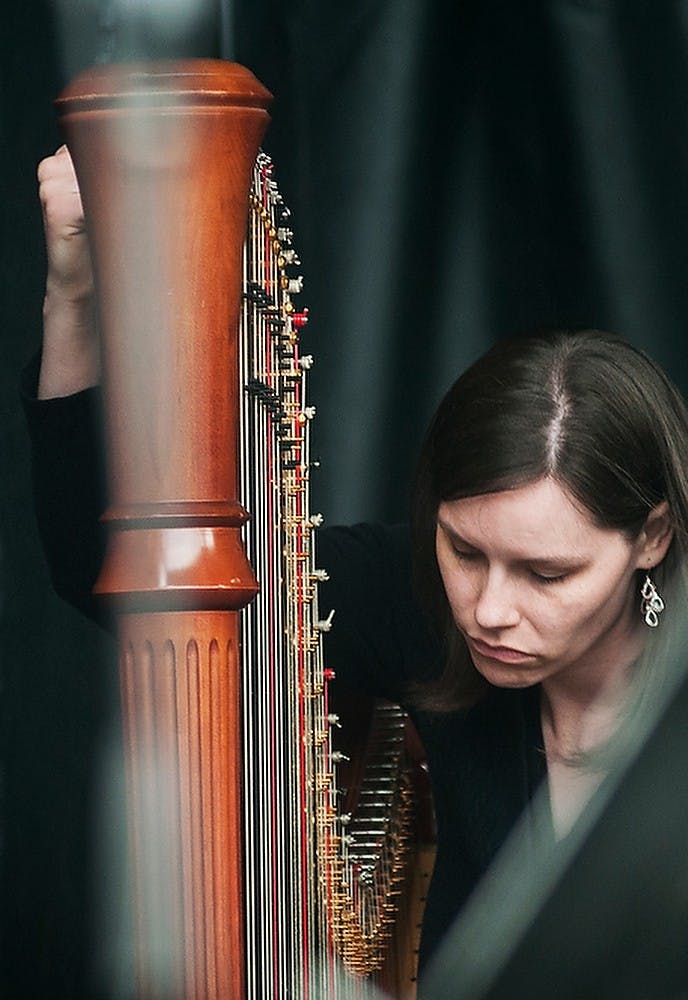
x=502, y=676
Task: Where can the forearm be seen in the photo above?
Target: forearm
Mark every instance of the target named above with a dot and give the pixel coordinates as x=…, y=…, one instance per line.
x=70, y=358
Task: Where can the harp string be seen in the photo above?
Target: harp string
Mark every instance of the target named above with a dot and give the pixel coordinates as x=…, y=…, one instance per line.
x=281, y=913
x=321, y=885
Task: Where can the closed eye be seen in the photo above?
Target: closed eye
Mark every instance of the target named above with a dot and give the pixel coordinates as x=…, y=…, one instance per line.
x=465, y=556
x=547, y=578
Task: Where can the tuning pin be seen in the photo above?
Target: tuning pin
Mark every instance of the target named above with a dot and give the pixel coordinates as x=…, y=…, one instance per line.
x=293, y=285
x=321, y=575
x=333, y=720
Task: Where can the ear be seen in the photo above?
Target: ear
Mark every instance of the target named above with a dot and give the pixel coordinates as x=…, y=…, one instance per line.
x=655, y=538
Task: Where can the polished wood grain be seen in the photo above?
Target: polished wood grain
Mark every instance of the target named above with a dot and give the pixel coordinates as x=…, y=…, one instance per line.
x=163, y=154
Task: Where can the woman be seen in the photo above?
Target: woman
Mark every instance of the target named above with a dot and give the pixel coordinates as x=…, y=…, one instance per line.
x=549, y=534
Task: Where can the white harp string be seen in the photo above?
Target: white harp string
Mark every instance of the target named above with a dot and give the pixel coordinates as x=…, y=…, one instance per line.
x=319, y=888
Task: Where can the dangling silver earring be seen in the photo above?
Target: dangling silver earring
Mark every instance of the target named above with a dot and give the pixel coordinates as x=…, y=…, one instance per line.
x=652, y=604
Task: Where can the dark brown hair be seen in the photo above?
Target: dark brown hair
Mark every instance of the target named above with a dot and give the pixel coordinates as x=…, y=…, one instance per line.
x=587, y=409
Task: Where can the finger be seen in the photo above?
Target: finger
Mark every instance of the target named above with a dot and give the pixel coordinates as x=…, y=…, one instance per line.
x=59, y=166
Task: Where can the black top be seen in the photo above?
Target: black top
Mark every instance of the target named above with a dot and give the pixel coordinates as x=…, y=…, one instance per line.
x=485, y=763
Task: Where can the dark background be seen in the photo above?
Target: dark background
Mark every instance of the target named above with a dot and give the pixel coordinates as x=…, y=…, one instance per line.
x=457, y=173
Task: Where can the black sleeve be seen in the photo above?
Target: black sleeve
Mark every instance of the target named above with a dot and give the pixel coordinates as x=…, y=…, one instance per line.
x=68, y=487
x=380, y=641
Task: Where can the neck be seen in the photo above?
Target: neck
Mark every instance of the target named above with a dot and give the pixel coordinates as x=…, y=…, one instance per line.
x=580, y=712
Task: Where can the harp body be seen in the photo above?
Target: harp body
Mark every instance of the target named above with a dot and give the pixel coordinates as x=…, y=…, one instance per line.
x=166, y=157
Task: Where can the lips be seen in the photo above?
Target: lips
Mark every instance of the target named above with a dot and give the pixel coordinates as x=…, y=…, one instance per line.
x=505, y=654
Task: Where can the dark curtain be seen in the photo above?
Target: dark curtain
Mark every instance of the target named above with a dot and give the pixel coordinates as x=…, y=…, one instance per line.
x=460, y=176
x=54, y=688
x=457, y=173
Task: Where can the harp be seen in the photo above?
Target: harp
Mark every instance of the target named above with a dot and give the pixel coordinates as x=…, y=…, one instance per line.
x=247, y=865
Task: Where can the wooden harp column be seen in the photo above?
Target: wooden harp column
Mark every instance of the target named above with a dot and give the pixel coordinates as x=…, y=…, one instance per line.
x=164, y=156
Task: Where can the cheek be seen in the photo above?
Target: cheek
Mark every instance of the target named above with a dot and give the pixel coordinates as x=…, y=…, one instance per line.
x=614, y=606
x=460, y=588
x=584, y=611
x=557, y=620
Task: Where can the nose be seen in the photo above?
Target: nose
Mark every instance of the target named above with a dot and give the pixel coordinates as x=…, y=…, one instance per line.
x=497, y=604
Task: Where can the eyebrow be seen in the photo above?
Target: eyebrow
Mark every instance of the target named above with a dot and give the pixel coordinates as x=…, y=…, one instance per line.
x=551, y=563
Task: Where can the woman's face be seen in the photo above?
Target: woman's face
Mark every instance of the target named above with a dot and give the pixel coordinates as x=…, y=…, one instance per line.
x=538, y=590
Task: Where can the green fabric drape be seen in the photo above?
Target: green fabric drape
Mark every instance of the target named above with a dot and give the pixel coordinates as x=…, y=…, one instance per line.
x=457, y=173
x=461, y=176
